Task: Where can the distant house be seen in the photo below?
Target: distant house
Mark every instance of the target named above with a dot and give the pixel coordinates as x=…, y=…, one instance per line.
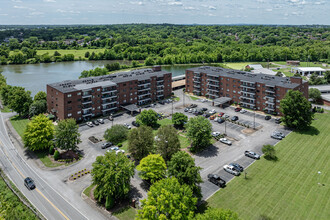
x=293, y=62
x=308, y=71
x=254, y=66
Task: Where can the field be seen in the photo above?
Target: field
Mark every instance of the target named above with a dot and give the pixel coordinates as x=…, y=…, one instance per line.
x=290, y=188
x=302, y=64
x=76, y=53
x=19, y=124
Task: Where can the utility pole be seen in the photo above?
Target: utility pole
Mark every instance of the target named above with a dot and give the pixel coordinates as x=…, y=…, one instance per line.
x=172, y=106
x=183, y=97
x=254, y=119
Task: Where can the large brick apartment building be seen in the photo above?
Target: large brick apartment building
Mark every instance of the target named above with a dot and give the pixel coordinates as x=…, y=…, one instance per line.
x=255, y=91
x=85, y=98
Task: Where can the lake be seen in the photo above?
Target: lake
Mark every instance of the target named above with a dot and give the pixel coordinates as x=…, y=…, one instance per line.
x=35, y=77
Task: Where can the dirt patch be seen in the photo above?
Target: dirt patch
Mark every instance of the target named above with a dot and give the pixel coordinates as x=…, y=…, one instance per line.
x=248, y=131
x=69, y=155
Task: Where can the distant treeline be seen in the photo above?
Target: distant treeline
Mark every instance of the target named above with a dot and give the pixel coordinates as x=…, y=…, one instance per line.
x=169, y=44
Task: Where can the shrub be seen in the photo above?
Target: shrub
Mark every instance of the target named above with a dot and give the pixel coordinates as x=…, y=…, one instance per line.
x=51, y=150
x=78, y=175
x=120, y=145
x=322, y=110
x=74, y=178
x=56, y=155
x=269, y=151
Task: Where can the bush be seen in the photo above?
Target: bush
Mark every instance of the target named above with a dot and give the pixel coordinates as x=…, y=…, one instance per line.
x=269, y=151
x=56, y=155
x=116, y=134
x=120, y=145
x=51, y=150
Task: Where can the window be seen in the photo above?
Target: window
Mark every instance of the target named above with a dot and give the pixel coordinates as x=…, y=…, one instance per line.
x=124, y=101
x=69, y=108
x=258, y=85
x=69, y=115
x=79, y=112
x=69, y=102
x=56, y=93
x=234, y=91
x=124, y=84
x=79, y=93
x=234, y=86
x=98, y=90
x=125, y=95
x=78, y=100
x=99, y=107
x=227, y=90
x=93, y=109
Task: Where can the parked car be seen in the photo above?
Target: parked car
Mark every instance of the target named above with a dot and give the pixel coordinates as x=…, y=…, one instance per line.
x=127, y=126
x=204, y=109
x=231, y=170
x=276, y=136
x=193, y=106
x=238, y=109
x=234, y=118
x=268, y=117
x=221, y=120
x=225, y=141
x=190, y=110
x=212, y=111
x=111, y=118
x=90, y=124
x=106, y=145
x=100, y=120
x=278, y=120
x=162, y=102
x=203, y=100
x=186, y=109
x=134, y=123
x=226, y=116
x=95, y=122
x=215, y=179
x=115, y=148
x=252, y=155
x=215, y=133
x=212, y=117
x=242, y=111
x=29, y=183
x=120, y=151
x=221, y=114
x=237, y=167
x=279, y=133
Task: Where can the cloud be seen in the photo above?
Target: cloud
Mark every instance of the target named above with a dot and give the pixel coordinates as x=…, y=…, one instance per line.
x=49, y=1
x=3, y=14
x=37, y=13
x=137, y=3
x=189, y=8
x=18, y=1
x=212, y=7
x=269, y=9
x=175, y=3
x=19, y=7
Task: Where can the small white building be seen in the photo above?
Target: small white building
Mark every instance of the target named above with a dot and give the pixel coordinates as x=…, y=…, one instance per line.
x=254, y=66
x=308, y=71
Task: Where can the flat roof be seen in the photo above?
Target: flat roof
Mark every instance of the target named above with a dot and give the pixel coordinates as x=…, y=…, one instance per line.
x=326, y=97
x=255, y=66
x=247, y=76
x=222, y=100
x=264, y=71
x=310, y=69
x=106, y=80
x=322, y=88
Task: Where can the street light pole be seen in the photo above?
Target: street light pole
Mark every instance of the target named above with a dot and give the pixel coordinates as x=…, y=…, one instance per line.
x=172, y=107
x=183, y=97
x=111, y=120
x=254, y=120
x=225, y=126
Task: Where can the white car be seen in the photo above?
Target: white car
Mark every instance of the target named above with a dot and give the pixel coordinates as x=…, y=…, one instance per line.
x=120, y=151
x=226, y=116
x=230, y=169
x=115, y=148
x=225, y=141
x=242, y=111
x=90, y=124
x=127, y=126
x=216, y=119
x=216, y=133
x=212, y=111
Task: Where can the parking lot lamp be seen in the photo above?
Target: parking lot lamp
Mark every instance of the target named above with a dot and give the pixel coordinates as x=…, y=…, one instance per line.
x=111, y=120
x=172, y=106
x=183, y=97
x=254, y=119
x=225, y=126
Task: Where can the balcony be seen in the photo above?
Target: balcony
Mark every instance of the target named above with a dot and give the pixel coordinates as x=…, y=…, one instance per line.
x=160, y=80
x=86, y=101
x=247, y=97
x=160, y=87
x=108, y=91
x=144, y=95
x=213, y=96
x=196, y=86
x=86, y=95
x=270, y=90
x=109, y=109
x=249, y=86
x=109, y=97
x=144, y=84
x=212, y=89
x=87, y=115
x=270, y=102
x=270, y=97
x=212, y=80
x=196, y=81
x=145, y=89
x=86, y=107
x=270, y=108
x=109, y=103
x=145, y=99
x=248, y=92
x=214, y=85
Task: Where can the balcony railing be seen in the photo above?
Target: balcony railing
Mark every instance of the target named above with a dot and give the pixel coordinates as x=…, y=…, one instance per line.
x=248, y=86
x=109, y=109
x=144, y=84
x=248, y=92
x=110, y=97
x=212, y=89
x=86, y=101
x=212, y=80
x=86, y=95
x=109, y=91
x=247, y=97
x=270, y=91
x=214, y=85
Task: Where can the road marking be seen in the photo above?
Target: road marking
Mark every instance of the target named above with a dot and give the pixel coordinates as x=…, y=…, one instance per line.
x=36, y=188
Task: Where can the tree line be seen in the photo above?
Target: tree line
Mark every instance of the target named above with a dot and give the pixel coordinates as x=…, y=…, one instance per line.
x=172, y=44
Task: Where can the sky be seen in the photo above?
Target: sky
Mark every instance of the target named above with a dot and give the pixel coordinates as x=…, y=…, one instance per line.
x=294, y=12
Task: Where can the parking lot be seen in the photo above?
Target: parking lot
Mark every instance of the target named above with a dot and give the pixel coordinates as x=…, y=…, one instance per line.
x=213, y=158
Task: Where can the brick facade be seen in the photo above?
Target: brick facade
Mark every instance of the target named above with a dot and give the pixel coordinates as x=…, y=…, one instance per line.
x=95, y=96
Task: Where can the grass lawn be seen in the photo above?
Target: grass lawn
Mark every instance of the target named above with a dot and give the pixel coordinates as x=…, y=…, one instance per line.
x=76, y=53
x=165, y=121
x=194, y=98
x=19, y=124
x=126, y=213
x=43, y=156
x=184, y=141
x=288, y=188
x=5, y=109
x=88, y=190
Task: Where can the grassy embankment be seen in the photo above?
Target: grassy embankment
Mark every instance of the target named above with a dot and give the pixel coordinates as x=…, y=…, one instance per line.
x=76, y=53
x=288, y=188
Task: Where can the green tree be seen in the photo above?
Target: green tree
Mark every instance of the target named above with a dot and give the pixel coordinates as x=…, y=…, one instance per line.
x=179, y=119
x=269, y=152
x=111, y=174
x=199, y=132
x=327, y=76
x=140, y=142
x=168, y=199
x=182, y=166
x=314, y=94
x=296, y=110
x=56, y=54
x=37, y=107
x=39, y=133
x=152, y=168
x=147, y=117
x=20, y=100
x=41, y=95
x=149, y=61
x=167, y=142
x=279, y=73
x=217, y=214
x=67, y=136
x=116, y=134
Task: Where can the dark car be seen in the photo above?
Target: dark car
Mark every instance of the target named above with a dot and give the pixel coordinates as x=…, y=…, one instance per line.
x=186, y=109
x=206, y=115
x=29, y=183
x=234, y=118
x=204, y=109
x=106, y=145
x=268, y=117
x=278, y=120
x=238, y=109
x=237, y=167
x=221, y=120
x=162, y=102
x=215, y=179
x=193, y=106
x=100, y=120
x=134, y=123
x=95, y=122
x=252, y=155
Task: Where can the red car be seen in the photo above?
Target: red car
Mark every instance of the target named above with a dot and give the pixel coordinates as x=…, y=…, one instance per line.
x=221, y=114
x=238, y=109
